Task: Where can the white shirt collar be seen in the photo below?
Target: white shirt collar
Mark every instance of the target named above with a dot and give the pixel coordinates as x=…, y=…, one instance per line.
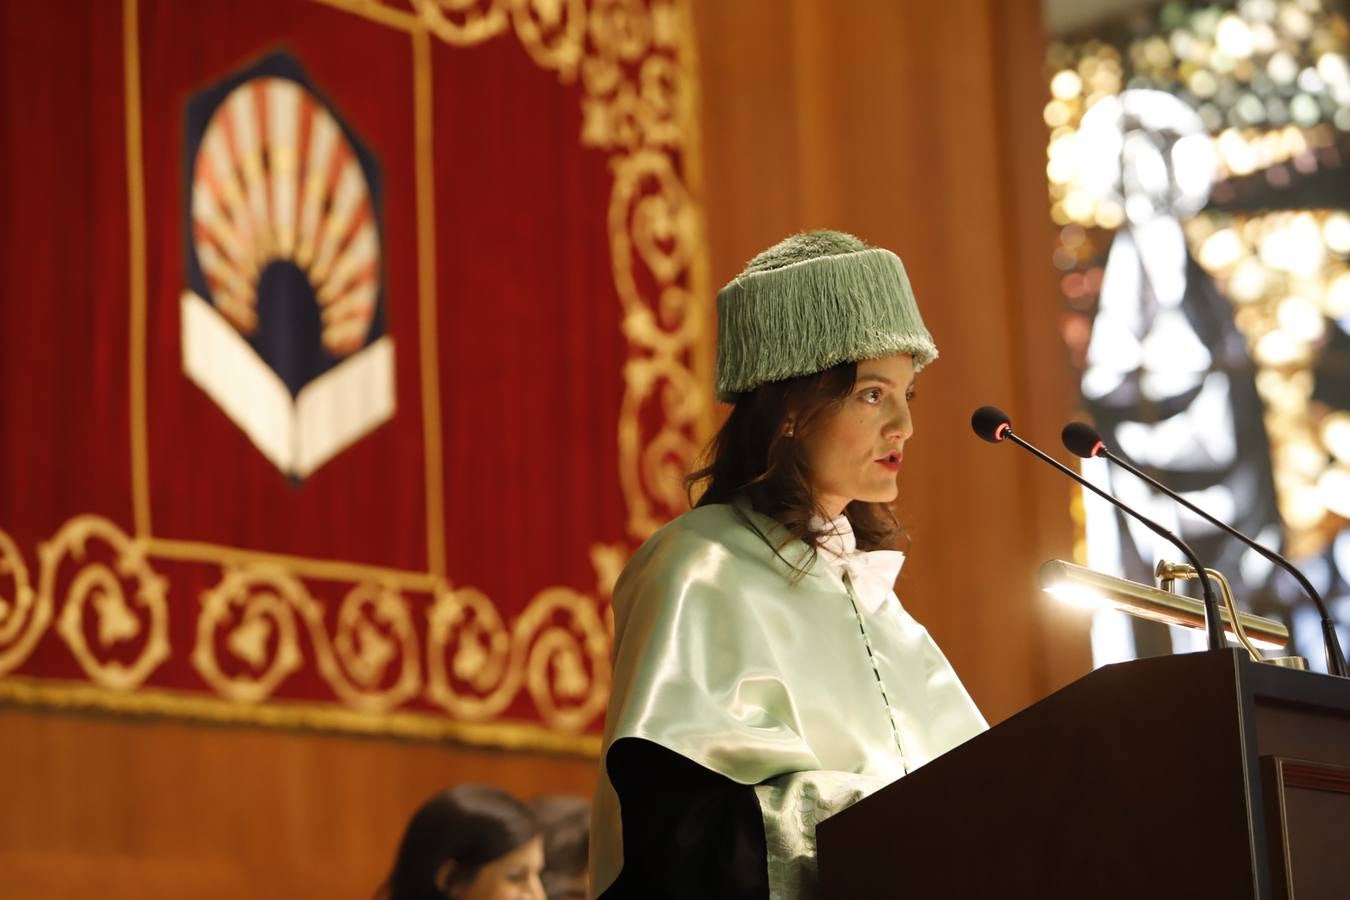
x=871, y=573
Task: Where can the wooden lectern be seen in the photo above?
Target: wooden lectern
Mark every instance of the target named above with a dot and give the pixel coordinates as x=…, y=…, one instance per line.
x=1204, y=776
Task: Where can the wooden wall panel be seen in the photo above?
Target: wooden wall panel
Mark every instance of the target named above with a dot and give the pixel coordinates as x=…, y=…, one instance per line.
x=109, y=808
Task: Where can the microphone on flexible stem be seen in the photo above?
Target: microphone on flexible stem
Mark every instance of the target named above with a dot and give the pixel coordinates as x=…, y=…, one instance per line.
x=993, y=424
x=1082, y=440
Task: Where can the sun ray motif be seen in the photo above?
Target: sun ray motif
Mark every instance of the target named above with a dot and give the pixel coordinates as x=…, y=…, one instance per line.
x=276, y=179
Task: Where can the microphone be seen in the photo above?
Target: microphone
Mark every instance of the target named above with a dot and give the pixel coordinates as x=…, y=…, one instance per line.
x=993, y=424
x=1082, y=440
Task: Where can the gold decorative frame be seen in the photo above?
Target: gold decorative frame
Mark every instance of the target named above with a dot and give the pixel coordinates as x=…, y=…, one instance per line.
x=639, y=107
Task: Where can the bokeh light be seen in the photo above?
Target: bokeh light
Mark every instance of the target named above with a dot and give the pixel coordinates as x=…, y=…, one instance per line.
x=1269, y=83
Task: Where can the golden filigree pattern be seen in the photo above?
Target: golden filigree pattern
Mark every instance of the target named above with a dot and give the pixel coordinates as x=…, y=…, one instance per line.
x=375, y=633
x=655, y=463
x=251, y=624
x=627, y=52
x=653, y=226
x=659, y=90
x=620, y=29
x=249, y=618
x=565, y=667
x=462, y=23
x=567, y=672
x=608, y=561
x=633, y=78
x=250, y=627
x=24, y=614
x=464, y=625
x=124, y=624
x=553, y=32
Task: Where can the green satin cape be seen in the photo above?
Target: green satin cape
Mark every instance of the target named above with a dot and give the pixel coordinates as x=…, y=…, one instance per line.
x=720, y=656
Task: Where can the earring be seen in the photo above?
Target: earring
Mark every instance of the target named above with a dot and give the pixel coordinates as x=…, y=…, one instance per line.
x=788, y=431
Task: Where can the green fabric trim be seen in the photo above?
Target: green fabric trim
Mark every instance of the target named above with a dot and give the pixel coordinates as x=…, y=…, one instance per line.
x=808, y=316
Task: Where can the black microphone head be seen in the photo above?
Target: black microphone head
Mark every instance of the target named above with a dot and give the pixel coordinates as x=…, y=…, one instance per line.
x=1081, y=439
x=991, y=423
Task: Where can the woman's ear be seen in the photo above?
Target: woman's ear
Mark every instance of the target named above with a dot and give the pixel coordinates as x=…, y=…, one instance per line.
x=789, y=426
x=444, y=875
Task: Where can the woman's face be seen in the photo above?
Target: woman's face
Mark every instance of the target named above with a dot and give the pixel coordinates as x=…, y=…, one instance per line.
x=855, y=452
x=514, y=876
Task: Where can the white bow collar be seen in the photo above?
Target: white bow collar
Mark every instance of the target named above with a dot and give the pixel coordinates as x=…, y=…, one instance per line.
x=871, y=573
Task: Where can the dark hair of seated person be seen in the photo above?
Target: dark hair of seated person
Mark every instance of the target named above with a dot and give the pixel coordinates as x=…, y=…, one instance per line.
x=566, y=823
x=452, y=836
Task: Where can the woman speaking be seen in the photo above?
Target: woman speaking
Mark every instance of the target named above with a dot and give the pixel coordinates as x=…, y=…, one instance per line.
x=765, y=674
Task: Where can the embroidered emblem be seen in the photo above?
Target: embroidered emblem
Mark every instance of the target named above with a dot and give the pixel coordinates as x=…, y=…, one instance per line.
x=283, y=315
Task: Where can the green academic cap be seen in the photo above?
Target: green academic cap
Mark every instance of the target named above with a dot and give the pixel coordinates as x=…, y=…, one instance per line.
x=811, y=302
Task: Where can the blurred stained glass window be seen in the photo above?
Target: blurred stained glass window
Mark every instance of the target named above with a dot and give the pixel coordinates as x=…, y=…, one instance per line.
x=1197, y=165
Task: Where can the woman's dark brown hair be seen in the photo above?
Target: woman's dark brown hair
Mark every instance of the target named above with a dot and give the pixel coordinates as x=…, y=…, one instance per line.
x=469, y=826
x=752, y=456
x=566, y=822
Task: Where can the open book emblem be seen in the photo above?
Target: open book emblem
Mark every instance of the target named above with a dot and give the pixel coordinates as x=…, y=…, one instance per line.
x=283, y=316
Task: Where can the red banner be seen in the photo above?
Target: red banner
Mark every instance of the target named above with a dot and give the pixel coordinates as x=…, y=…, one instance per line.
x=351, y=347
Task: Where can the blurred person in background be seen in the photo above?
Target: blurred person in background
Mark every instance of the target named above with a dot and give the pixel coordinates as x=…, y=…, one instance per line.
x=566, y=824
x=471, y=842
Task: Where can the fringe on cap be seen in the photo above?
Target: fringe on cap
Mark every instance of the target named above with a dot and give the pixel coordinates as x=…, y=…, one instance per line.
x=812, y=302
